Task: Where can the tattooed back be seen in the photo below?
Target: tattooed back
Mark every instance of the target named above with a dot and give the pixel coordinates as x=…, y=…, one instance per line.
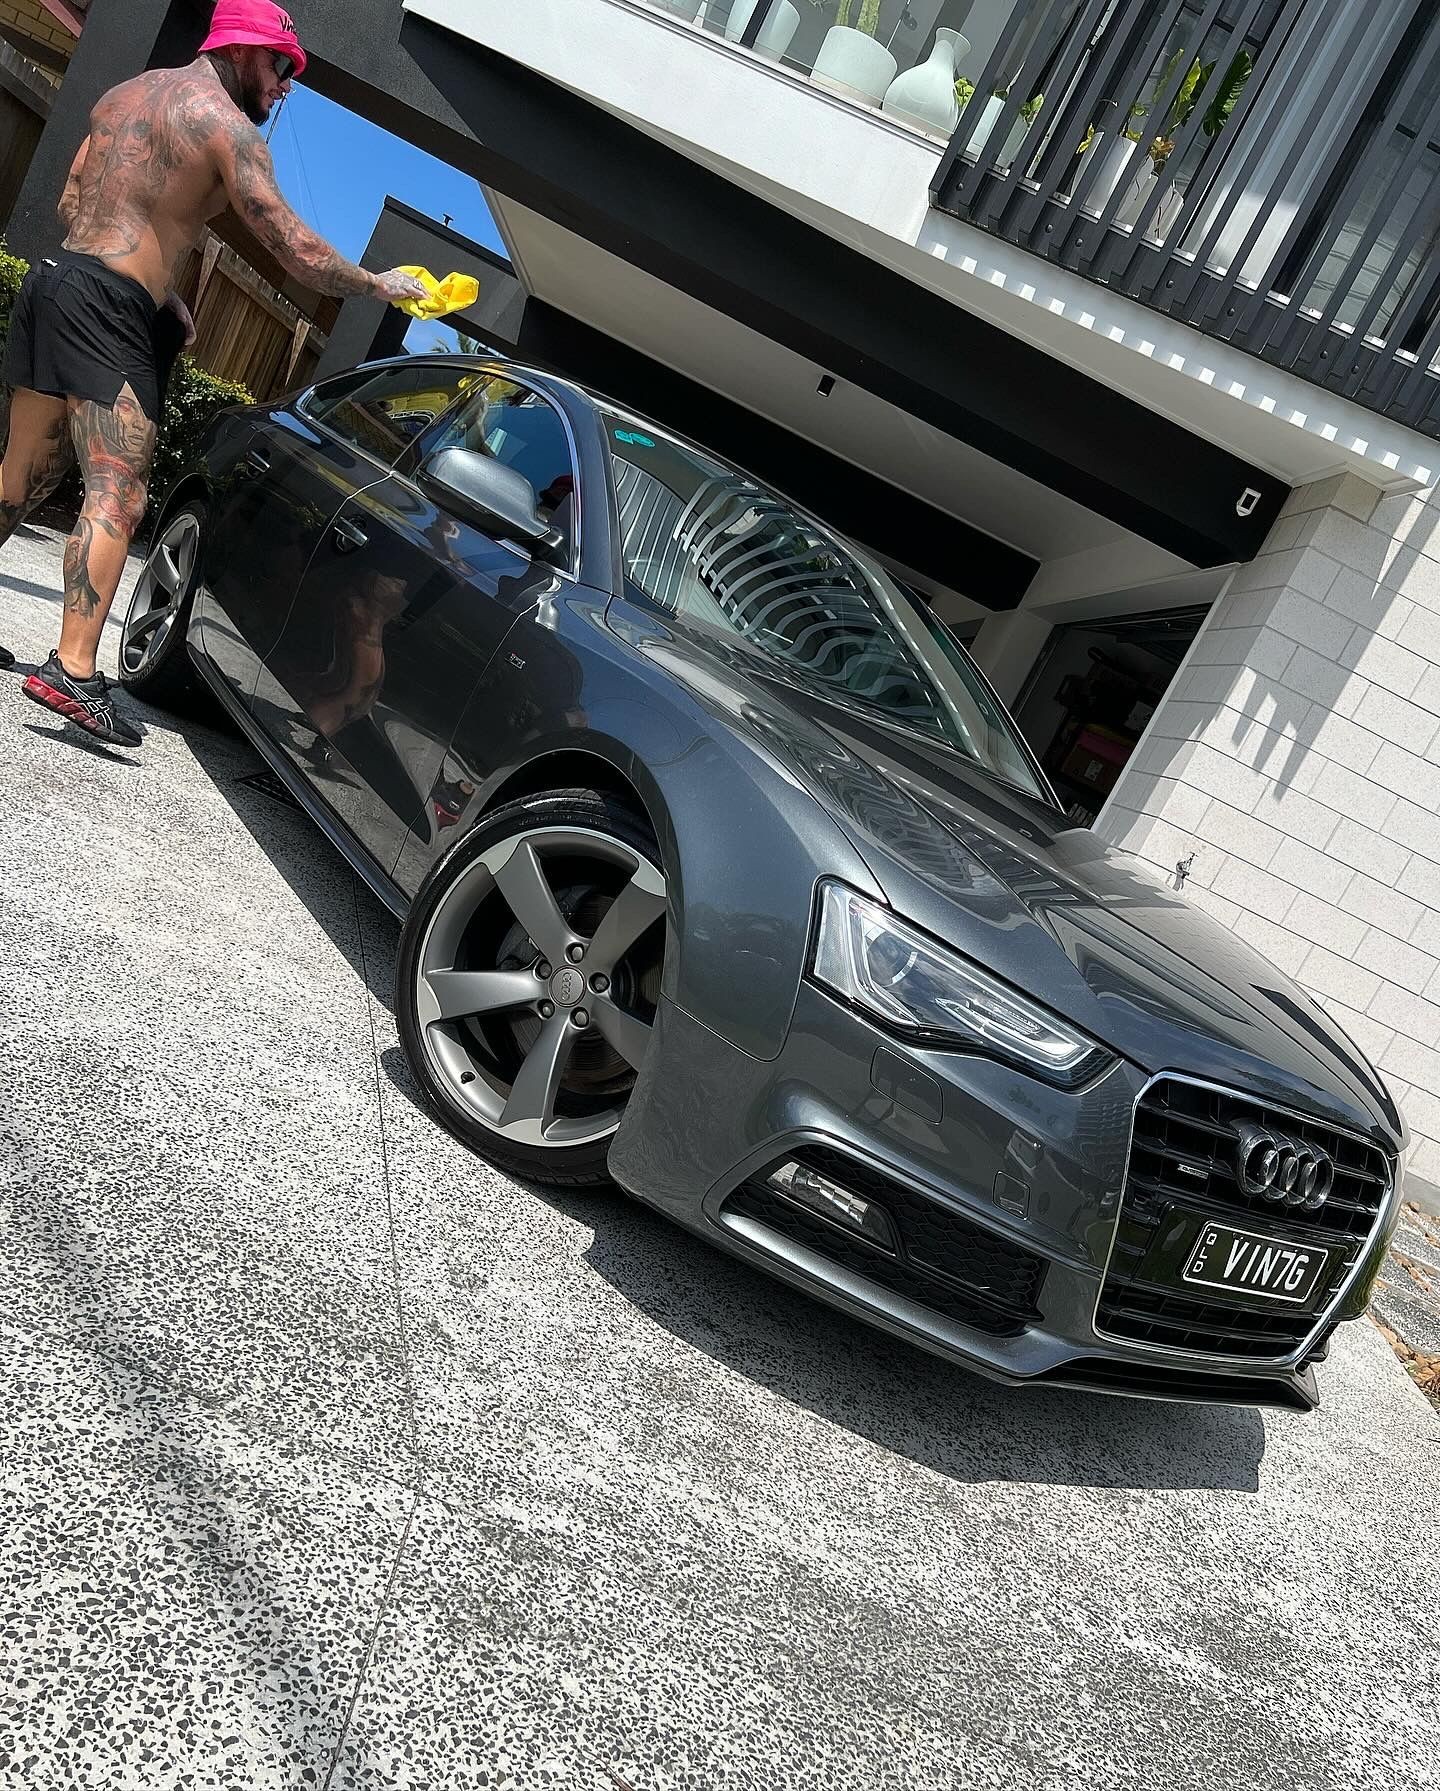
x=150, y=180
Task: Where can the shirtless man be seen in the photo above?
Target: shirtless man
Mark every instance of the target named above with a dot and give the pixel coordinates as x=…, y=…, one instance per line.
x=96, y=328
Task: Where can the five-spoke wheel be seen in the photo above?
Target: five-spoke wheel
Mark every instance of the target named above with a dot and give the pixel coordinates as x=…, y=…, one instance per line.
x=153, y=662
x=528, y=981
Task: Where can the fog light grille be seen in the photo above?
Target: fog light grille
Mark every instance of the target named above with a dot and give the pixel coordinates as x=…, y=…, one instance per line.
x=931, y=1255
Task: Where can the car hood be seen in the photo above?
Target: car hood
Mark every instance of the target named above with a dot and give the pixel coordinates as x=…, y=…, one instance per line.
x=1085, y=928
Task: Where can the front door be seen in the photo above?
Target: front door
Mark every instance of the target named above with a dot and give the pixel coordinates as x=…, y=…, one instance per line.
x=282, y=493
x=405, y=604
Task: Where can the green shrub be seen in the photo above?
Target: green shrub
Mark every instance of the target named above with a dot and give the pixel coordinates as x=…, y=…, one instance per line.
x=12, y=272
x=192, y=400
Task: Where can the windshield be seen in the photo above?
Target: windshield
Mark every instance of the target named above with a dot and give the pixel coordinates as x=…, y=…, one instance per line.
x=711, y=547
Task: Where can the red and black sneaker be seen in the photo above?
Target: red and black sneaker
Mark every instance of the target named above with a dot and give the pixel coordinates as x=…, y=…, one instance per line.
x=85, y=701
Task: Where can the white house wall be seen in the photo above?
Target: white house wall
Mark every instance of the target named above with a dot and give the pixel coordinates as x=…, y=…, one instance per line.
x=1294, y=765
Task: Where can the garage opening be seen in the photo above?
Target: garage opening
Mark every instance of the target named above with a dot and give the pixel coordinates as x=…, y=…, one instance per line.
x=1093, y=689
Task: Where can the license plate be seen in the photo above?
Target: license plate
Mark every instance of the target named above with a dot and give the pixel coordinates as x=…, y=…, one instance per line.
x=1250, y=1262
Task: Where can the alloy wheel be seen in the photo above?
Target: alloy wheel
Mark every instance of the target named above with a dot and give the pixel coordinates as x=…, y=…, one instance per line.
x=537, y=981
x=160, y=591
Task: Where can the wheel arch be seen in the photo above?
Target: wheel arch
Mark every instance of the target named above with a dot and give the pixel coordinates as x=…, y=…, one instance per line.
x=570, y=768
x=191, y=485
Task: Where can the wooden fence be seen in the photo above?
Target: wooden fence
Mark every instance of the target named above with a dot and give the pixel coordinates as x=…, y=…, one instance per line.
x=245, y=330
x=25, y=97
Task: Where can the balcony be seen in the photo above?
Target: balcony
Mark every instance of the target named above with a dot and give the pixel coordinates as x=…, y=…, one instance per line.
x=1267, y=171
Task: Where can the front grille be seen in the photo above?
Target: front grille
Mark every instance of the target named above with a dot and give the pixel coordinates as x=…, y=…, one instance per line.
x=944, y=1262
x=1182, y=1162
x=1185, y=1143
x=1218, y=1327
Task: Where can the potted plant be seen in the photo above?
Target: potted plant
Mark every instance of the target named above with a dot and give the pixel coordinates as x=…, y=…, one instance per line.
x=1114, y=156
x=990, y=117
x=1028, y=114
x=1224, y=99
x=850, y=61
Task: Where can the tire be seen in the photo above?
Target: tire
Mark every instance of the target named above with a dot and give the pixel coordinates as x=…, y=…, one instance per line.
x=530, y=1056
x=154, y=665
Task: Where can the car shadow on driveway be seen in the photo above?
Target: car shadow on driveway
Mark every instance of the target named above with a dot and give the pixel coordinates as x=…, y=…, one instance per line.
x=890, y=1392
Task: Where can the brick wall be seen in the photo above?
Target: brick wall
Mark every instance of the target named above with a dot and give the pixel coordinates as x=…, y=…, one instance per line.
x=31, y=17
x=1296, y=758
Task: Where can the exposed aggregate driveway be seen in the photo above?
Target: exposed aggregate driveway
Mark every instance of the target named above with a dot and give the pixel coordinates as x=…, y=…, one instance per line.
x=328, y=1457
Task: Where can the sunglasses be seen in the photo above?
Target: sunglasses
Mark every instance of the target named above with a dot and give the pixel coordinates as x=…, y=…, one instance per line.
x=284, y=65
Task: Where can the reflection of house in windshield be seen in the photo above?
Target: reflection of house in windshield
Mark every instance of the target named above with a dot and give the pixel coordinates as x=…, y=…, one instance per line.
x=736, y=556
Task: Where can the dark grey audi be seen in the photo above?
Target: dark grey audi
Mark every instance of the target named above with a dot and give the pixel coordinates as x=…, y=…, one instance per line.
x=726, y=876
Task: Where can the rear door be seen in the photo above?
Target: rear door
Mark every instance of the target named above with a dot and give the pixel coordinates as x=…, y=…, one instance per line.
x=405, y=604
x=300, y=465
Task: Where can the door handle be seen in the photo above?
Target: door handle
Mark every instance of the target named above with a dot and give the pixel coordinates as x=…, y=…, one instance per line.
x=347, y=537
x=258, y=460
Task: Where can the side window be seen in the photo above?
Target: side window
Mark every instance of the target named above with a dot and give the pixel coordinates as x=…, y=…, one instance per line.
x=523, y=430
x=384, y=412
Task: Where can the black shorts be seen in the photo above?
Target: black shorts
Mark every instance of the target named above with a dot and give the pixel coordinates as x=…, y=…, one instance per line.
x=80, y=330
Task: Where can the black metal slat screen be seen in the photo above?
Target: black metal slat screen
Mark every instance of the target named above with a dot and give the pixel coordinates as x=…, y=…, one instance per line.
x=1268, y=170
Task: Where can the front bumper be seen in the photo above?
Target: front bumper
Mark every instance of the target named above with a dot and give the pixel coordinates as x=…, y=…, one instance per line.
x=1037, y=1169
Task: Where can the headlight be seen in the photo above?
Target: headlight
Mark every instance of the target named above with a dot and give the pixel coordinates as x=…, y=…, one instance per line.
x=908, y=982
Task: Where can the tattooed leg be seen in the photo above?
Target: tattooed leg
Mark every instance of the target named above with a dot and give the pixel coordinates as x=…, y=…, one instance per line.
x=116, y=446
x=37, y=456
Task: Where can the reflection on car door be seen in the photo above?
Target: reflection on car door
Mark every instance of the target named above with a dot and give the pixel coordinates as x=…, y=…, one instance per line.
x=297, y=469
x=403, y=607
x=268, y=519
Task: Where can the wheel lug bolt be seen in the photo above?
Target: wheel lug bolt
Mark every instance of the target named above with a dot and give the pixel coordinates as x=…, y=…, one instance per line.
x=468, y=1076
x=580, y=1017
x=599, y=984
x=547, y=1008
x=575, y=953
x=542, y=970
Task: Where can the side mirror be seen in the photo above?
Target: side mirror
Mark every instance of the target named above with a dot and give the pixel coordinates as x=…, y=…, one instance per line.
x=495, y=497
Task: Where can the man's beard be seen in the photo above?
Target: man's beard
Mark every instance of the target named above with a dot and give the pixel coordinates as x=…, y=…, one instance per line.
x=252, y=103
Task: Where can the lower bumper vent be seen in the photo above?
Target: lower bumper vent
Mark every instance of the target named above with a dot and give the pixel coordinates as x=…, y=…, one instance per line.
x=940, y=1261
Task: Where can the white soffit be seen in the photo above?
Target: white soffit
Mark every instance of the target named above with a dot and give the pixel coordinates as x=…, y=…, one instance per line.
x=612, y=295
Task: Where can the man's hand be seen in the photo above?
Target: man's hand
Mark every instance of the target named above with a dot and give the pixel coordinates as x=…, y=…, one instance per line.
x=398, y=285
x=175, y=303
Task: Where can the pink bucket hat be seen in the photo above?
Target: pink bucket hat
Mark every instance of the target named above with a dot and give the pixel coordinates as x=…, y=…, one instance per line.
x=255, y=22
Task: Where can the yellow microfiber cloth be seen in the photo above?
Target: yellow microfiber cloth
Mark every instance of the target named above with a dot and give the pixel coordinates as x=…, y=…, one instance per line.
x=456, y=292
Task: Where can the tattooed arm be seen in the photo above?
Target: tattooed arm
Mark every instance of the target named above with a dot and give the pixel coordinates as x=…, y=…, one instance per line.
x=69, y=206
x=249, y=176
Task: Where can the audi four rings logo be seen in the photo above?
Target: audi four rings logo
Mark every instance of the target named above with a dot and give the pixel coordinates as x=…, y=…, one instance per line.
x=1284, y=1170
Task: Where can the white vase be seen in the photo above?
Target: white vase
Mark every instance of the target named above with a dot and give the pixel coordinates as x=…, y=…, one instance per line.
x=989, y=118
x=1114, y=159
x=1018, y=132
x=925, y=95
x=1169, y=208
x=776, y=34
x=1138, y=198
x=853, y=64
